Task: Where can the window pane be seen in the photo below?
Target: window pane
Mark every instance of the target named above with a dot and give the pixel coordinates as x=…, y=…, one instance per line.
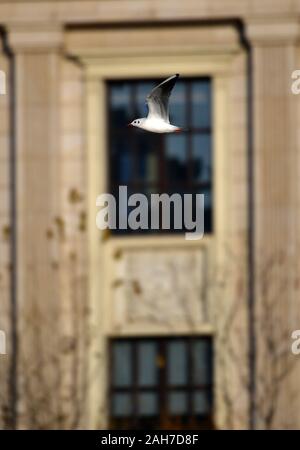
x=121, y=405
x=121, y=159
x=147, y=404
x=177, y=362
x=202, y=362
x=177, y=402
x=120, y=104
x=178, y=104
x=176, y=158
x=147, y=154
x=122, y=364
x=147, y=167
x=201, y=104
x=147, y=367
x=202, y=402
x=201, y=157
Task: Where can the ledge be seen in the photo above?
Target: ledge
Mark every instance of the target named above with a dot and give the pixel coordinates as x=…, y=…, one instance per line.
x=35, y=37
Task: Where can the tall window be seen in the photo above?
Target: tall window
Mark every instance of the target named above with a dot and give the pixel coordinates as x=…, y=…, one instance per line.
x=161, y=383
x=157, y=163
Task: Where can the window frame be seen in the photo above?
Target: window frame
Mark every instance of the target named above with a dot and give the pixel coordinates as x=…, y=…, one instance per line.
x=162, y=389
x=189, y=184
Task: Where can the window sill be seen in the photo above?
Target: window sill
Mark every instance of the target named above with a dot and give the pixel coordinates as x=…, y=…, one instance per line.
x=160, y=241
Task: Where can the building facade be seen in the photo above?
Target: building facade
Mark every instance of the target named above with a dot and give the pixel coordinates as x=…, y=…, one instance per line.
x=131, y=330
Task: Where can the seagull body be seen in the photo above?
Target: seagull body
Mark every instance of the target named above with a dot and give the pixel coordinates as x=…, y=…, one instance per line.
x=158, y=120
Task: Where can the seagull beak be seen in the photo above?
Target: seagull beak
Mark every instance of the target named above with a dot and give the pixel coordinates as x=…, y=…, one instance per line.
x=129, y=125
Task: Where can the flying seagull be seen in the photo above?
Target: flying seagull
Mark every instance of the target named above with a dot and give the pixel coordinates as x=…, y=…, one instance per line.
x=158, y=120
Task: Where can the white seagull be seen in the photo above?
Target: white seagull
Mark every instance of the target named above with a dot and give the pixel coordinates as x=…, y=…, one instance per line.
x=158, y=120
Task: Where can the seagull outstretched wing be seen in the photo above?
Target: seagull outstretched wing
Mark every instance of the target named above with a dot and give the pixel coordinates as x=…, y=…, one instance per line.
x=158, y=99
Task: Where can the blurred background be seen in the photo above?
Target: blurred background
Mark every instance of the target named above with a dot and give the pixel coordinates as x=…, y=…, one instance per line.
x=130, y=329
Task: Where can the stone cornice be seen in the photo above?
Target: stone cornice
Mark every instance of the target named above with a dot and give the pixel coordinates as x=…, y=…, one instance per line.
x=118, y=11
x=105, y=43
x=35, y=37
x=271, y=31
x=36, y=26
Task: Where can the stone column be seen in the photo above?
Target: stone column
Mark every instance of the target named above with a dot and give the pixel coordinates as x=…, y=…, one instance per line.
x=5, y=232
x=276, y=215
x=37, y=52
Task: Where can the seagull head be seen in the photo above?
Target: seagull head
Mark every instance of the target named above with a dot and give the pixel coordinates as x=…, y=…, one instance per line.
x=137, y=123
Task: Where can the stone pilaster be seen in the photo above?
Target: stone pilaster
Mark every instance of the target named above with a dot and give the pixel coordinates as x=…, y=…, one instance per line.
x=37, y=52
x=5, y=231
x=276, y=215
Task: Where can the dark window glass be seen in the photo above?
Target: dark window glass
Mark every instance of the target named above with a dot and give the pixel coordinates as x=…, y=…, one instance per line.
x=178, y=402
x=121, y=405
x=201, y=103
x=122, y=371
x=157, y=163
x=177, y=362
x=147, y=368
